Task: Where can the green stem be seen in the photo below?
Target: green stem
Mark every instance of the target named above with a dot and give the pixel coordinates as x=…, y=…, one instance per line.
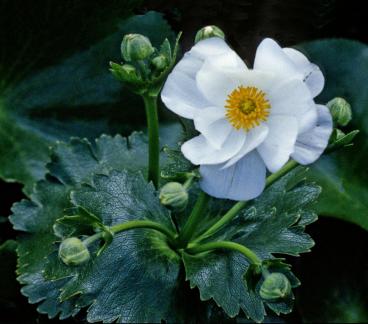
x=132, y=225
x=143, y=224
x=249, y=254
x=188, y=182
x=192, y=222
x=233, y=211
x=284, y=170
x=153, y=138
x=89, y=240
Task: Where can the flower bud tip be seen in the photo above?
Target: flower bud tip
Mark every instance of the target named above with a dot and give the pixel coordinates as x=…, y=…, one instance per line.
x=207, y=32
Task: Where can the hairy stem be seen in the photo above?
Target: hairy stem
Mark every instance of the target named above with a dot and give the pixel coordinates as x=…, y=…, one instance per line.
x=153, y=139
x=224, y=245
x=233, y=211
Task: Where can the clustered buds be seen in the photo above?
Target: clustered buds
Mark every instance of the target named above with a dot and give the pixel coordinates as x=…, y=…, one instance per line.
x=207, y=32
x=174, y=195
x=73, y=251
x=275, y=286
x=145, y=67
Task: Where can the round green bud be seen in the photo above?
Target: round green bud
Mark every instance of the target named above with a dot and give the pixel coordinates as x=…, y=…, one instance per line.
x=340, y=110
x=275, y=286
x=160, y=62
x=207, y=32
x=174, y=195
x=136, y=47
x=72, y=251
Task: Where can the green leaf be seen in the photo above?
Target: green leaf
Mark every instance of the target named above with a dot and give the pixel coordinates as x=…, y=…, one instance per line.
x=74, y=225
x=273, y=224
x=343, y=174
x=78, y=97
x=148, y=267
x=177, y=167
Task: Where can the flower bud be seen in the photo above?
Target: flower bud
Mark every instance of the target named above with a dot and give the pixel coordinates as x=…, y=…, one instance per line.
x=72, y=251
x=136, y=47
x=207, y=32
x=340, y=110
x=160, y=62
x=174, y=195
x=276, y=285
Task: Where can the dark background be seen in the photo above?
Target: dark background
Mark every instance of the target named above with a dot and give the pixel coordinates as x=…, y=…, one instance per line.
x=36, y=34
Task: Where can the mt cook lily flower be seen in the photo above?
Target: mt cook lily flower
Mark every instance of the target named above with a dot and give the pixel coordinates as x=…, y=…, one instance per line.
x=249, y=120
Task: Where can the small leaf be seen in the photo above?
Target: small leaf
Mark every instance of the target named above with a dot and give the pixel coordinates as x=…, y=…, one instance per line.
x=75, y=225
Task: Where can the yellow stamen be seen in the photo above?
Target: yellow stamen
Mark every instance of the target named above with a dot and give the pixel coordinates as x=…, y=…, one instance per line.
x=247, y=107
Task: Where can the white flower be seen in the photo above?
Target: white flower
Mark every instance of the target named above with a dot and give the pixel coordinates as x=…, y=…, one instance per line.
x=249, y=119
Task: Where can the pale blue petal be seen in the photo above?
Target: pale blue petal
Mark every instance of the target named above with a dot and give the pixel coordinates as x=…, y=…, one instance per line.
x=242, y=181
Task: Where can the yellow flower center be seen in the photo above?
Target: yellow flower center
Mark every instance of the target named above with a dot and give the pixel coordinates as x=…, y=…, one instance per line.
x=247, y=107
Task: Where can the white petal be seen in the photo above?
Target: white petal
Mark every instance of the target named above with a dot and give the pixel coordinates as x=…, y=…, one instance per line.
x=310, y=145
x=254, y=138
x=199, y=151
x=210, y=47
x=271, y=57
x=242, y=181
x=219, y=76
x=180, y=93
x=308, y=120
x=211, y=123
x=284, y=95
x=193, y=60
x=279, y=144
x=292, y=97
x=216, y=83
x=311, y=73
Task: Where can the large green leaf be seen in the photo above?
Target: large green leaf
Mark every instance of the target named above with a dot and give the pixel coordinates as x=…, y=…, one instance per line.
x=148, y=268
x=274, y=223
x=78, y=97
x=39, y=268
x=138, y=277
x=343, y=174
